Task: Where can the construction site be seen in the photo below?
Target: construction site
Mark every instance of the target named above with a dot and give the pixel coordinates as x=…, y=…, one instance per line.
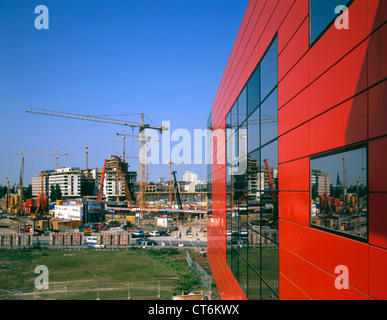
x=111, y=196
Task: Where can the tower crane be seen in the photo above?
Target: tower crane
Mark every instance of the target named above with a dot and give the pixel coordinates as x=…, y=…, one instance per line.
x=20, y=207
x=46, y=154
x=170, y=179
x=141, y=126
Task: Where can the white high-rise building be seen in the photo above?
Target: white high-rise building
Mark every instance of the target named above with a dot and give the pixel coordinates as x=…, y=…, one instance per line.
x=69, y=181
x=190, y=176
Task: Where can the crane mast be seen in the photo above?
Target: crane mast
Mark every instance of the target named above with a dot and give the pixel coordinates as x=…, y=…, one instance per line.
x=142, y=138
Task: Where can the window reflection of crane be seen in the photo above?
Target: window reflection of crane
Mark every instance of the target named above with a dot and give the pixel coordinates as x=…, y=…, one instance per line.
x=273, y=193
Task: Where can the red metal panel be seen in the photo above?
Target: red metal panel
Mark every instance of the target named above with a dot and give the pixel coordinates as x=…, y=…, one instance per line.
x=297, y=14
x=294, y=206
x=336, y=43
x=376, y=11
x=289, y=291
x=341, y=82
x=377, y=111
x=294, y=50
x=343, y=125
x=283, y=9
x=378, y=274
x=330, y=250
x=294, y=144
x=377, y=169
x=294, y=237
x=377, y=219
x=377, y=64
x=295, y=269
x=294, y=113
x=294, y=82
x=322, y=287
x=294, y=175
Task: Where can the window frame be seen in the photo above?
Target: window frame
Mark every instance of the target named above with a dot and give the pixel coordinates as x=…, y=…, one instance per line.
x=331, y=153
x=323, y=31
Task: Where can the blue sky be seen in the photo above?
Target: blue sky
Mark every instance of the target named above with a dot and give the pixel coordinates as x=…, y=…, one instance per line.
x=163, y=58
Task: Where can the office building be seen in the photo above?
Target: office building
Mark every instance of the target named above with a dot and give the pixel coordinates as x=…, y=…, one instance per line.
x=303, y=91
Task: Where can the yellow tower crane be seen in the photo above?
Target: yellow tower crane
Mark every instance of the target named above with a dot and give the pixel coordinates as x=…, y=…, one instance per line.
x=142, y=139
x=56, y=154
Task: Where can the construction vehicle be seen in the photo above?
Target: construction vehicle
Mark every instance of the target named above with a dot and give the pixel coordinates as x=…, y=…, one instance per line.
x=42, y=208
x=177, y=197
x=99, y=194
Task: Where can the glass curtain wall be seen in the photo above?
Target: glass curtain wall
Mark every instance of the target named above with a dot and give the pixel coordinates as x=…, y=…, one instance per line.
x=252, y=182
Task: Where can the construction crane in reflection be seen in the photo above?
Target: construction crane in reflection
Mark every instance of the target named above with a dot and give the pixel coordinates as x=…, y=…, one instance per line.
x=142, y=137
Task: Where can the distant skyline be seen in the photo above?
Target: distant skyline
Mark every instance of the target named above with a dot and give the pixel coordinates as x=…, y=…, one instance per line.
x=116, y=59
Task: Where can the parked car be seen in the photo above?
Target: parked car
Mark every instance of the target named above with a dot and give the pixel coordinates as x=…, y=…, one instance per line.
x=92, y=239
x=102, y=226
x=239, y=241
x=94, y=245
x=146, y=241
x=137, y=233
x=155, y=233
x=163, y=233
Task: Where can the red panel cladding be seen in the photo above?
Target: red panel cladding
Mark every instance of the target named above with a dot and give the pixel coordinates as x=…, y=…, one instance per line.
x=288, y=291
x=294, y=50
x=377, y=169
x=294, y=113
x=294, y=175
x=294, y=82
x=294, y=144
x=340, y=126
x=377, y=64
x=377, y=111
x=322, y=287
x=378, y=274
x=341, y=82
x=297, y=14
x=330, y=250
x=336, y=43
x=376, y=14
x=283, y=9
x=295, y=269
x=377, y=219
x=294, y=206
x=294, y=237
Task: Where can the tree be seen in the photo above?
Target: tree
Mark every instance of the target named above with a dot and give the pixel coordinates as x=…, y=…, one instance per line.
x=58, y=193
x=27, y=192
x=55, y=193
x=52, y=193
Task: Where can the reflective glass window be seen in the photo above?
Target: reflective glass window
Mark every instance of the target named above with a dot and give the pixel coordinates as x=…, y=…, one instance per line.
x=269, y=70
x=253, y=92
x=269, y=118
x=339, y=192
x=253, y=124
x=242, y=106
x=322, y=15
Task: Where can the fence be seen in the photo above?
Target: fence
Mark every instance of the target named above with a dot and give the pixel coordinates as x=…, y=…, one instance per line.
x=140, y=290
x=204, y=277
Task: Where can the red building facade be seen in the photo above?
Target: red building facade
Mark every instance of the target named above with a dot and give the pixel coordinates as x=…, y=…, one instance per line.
x=328, y=178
